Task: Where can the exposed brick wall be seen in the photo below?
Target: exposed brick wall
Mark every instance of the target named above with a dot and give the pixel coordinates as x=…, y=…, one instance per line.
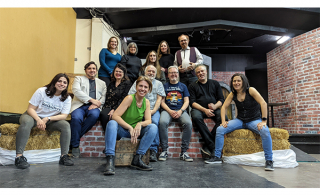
x=224, y=76
x=294, y=77
x=92, y=143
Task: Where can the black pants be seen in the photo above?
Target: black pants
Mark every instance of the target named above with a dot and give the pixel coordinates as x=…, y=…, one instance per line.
x=104, y=117
x=107, y=80
x=207, y=136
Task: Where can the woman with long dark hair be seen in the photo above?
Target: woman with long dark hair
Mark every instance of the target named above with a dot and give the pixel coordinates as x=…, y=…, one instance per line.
x=108, y=58
x=132, y=119
x=117, y=90
x=166, y=59
x=250, y=105
x=151, y=59
x=132, y=62
x=48, y=109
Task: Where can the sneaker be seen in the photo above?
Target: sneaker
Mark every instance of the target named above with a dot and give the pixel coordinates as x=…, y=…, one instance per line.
x=163, y=156
x=214, y=160
x=65, y=160
x=21, y=162
x=153, y=156
x=76, y=152
x=269, y=165
x=184, y=156
x=205, y=153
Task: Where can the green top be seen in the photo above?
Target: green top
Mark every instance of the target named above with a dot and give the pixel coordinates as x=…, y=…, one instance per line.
x=134, y=114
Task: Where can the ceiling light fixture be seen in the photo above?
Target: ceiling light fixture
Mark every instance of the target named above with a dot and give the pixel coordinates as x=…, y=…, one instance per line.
x=283, y=39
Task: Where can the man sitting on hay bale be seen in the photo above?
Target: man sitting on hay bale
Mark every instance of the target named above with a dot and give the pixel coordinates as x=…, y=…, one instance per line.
x=248, y=101
x=48, y=108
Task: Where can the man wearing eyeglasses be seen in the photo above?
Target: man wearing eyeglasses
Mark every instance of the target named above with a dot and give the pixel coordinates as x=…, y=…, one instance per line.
x=175, y=104
x=186, y=59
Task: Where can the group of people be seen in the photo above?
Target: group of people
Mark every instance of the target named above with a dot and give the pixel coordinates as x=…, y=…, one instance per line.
x=139, y=101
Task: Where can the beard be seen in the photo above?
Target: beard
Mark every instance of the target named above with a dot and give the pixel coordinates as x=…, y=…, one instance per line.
x=151, y=77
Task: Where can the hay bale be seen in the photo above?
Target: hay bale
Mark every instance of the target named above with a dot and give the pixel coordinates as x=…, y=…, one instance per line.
x=38, y=139
x=9, y=129
x=244, y=141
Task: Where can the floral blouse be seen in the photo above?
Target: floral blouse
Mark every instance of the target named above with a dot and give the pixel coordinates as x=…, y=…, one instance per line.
x=115, y=95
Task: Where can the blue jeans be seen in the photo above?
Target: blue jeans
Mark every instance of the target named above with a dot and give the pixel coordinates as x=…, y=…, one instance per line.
x=82, y=120
x=115, y=132
x=238, y=124
x=155, y=120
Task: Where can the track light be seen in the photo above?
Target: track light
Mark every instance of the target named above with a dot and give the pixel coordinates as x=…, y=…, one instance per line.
x=283, y=39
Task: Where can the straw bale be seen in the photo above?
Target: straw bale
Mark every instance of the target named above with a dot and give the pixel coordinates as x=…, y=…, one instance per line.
x=36, y=142
x=9, y=129
x=244, y=141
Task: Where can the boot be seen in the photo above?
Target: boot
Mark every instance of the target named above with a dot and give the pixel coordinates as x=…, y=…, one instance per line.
x=139, y=164
x=110, y=169
x=153, y=156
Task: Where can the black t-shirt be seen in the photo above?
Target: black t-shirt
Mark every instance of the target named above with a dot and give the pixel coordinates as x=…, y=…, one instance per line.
x=203, y=94
x=166, y=60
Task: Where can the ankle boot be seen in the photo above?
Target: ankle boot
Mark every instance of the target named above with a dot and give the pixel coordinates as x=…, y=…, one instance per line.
x=139, y=164
x=110, y=169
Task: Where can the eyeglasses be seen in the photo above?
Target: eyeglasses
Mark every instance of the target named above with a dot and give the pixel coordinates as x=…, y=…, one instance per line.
x=183, y=40
x=172, y=72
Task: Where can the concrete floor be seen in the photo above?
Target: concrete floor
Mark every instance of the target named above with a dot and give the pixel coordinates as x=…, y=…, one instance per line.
x=306, y=175
x=173, y=173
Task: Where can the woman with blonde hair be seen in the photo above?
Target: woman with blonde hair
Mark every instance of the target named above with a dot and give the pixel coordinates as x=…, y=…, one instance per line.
x=108, y=58
x=151, y=59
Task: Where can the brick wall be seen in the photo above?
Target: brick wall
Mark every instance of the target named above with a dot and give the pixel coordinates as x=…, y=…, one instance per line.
x=294, y=77
x=224, y=76
x=92, y=143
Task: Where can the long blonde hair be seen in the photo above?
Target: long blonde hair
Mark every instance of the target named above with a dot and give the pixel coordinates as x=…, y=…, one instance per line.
x=108, y=46
x=157, y=65
x=159, y=49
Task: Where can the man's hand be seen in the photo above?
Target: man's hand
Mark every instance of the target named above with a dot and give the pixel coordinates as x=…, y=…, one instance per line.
x=182, y=70
x=92, y=106
x=173, y=113
x=212, y=106
x=209, y=112
x=95, y=102
x=178, y=114
x=191, y=67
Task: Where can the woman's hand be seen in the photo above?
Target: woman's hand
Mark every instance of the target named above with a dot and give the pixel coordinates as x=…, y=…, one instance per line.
x=163, y=69
x=41, y=124
x=135, y=133
x=261, y=124
x=111, y=113
x=224, y=124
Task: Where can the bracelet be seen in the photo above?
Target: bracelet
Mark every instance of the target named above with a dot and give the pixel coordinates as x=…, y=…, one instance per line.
x=182, y=110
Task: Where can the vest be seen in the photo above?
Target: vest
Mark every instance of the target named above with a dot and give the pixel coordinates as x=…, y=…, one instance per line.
x=193, y=59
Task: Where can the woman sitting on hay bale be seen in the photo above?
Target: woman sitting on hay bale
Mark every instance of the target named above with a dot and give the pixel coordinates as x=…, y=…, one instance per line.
x=127, y=122
x=48, y=108
x=248, y=101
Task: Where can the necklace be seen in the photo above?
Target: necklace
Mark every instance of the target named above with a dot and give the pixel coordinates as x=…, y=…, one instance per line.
x=139, y=104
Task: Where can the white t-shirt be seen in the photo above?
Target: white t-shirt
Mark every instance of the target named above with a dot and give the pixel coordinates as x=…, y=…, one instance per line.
x=49, y=106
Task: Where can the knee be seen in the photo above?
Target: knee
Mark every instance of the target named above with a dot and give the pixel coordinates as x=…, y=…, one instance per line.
x=264, y=132
x=196, y=116
x=153, y=129
x=111, y=126
x=76, y=117
x=220, y=131
x=95, y=113
x=64, y=125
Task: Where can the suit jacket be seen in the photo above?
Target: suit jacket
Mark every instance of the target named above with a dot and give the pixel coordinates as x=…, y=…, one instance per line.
x=80, y=89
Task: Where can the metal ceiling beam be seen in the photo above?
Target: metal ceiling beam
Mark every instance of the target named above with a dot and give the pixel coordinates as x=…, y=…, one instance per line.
x=315, y=10
x=156, y=30
x=115, y=10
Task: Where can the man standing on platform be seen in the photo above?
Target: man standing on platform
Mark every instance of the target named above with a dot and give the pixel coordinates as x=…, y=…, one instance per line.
x=186, y=59
x=154, y=98
x=206, y=98
x=175, y=104
x=89, y=97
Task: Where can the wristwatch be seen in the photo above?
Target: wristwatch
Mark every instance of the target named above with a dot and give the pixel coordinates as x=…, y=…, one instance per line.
x=264, y=118
x=182, y=110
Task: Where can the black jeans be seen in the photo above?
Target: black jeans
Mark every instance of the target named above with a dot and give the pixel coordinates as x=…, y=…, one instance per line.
x=187, y=79
x=104, y=117
x=197, y=120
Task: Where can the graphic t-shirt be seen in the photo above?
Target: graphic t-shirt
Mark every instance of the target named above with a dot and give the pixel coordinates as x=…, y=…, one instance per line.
x=49, y=106
x=175, y=94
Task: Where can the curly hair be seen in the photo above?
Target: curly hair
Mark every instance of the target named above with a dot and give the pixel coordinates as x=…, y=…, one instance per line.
x=125, y=75
x=245, y=83
x=51, y=90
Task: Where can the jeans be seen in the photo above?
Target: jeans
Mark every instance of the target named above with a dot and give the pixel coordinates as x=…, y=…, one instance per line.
x=185, y=120
x=238, y=124
x=208, y=137
x=82, y=120
x=155, y=120
x=115, y=132
x=104, y=117
x=27, y=123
